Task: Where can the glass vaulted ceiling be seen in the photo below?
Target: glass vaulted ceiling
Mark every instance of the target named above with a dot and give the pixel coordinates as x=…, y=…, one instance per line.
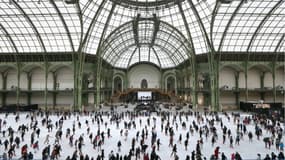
x=45, y=26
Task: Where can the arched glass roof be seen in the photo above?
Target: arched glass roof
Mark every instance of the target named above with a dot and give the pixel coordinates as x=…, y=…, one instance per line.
x=59, y=26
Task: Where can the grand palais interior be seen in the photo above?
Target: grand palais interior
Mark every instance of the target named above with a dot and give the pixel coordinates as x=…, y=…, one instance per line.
x=71, y=54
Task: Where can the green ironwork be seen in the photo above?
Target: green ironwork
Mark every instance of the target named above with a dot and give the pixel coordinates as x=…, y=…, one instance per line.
x=43, y=47
x=212, y=61
x=99, y=60
x=192, y=58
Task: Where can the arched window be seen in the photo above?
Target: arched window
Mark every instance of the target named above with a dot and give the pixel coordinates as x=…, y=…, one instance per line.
x=118, y=84
x=144, y=83
x=170, y=82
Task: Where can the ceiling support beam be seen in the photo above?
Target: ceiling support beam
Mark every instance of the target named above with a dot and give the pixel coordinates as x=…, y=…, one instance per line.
x=108, y=44
x=191, y=55
x=213, y=62
x=279, y=44
x=129, y=62
x=135, y=25
x=17, y=62
x=225, y=32
x=155, y=29
x=64, y=24
x=246, y=65
x=41, y=42
x=262, y=23
x=168, y=52
x=164, y=41
x=79, y=58
x=163, y=27
x=43, y=54
x=156, y=56
x=99, y=58
x=10, y=39
x=139, y=53
x=274, y=66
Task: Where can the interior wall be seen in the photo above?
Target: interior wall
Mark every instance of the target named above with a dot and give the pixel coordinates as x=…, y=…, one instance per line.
x=24, y=81
x=241, y=80
x=280, y=77
x=38, y=79
x=268, y=80
x=65, y=78
x=50, y=81
x=11, y=79
x=144, y=71
x=1, y=82
x=280, y=98
x=227, y=77
x=91, y=98
x=11, y=98
x=64, y=99
x=37, y=98
x=23, y=98
x=253, y=78
x=253, y=96
x=268, y=97
x=242, y=96
x=227, y=98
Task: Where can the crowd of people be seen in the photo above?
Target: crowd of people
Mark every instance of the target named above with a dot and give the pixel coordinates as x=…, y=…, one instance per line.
x=138, y=133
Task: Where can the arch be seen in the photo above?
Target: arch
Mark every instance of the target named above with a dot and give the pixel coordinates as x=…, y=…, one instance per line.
x=260, y=67
x=281, y=66
x=37, y=78
x=253, y=78
x=144, y=71
x=168, y=73
x=11, y=74
x=56, y=67
x=228, y=24
x=143, y=62
x=262, y=22
x=235, y=67
x=227, y=77
x=5, y=67
x=32, y=24
x=64, y=24
x=144, y=84
x=167, y=51
x=127, y=28
x=117, y=83
x=10, y=39
x=65, y=78
x=280, y=74
x=30, y=67
x=170, y=84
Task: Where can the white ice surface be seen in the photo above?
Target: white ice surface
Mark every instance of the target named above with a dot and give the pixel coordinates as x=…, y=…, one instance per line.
x=246, y=149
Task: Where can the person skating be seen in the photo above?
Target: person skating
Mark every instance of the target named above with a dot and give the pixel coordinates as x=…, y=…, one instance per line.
x=223, y=156
x=237, y=156
x=186, y=144
x=158, y=144
x=193, y=155
x=146, y=157
x=119, y=144
x=24, y=151
x=217, y=152
x=174, y=150
x=258, y=156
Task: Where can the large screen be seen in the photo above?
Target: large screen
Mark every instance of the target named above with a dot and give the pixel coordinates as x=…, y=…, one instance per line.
x=144, y=95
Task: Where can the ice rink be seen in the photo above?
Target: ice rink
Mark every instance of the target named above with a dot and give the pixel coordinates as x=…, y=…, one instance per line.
x=247, y=150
